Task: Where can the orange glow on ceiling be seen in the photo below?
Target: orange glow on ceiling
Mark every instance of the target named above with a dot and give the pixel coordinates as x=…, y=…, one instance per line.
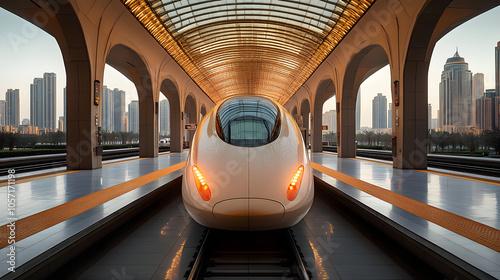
x=230, y=48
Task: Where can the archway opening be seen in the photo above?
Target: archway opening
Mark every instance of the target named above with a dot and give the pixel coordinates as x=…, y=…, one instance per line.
x=190, y=119
x=462, y=91
x=304, y=121
x=119, y=109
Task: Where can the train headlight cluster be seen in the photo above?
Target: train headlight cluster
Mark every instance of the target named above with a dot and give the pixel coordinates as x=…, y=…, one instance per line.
x=293, y=187
x=201, y=184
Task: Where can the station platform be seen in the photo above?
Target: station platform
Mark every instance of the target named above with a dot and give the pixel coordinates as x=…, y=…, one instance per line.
x=51, y=211
x=452, y=215
x=448, y=214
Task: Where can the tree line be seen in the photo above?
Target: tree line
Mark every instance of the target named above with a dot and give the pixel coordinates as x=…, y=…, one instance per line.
x=11, y=141
x=438, y=141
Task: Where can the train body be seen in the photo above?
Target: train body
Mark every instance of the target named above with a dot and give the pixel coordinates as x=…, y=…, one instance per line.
x=248, y=168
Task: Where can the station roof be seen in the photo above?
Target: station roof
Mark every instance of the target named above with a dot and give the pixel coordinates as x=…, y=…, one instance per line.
x=254, y=47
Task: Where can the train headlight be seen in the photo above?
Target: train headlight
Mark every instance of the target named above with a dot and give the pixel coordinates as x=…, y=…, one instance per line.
x=293, y=187
x=201, y=184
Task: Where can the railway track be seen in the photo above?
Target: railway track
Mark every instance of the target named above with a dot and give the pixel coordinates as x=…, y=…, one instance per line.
x=482, y=166
x=244, y=255
x=34, y=163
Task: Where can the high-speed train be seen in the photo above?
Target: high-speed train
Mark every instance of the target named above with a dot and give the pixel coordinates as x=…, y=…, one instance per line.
x=248, y=168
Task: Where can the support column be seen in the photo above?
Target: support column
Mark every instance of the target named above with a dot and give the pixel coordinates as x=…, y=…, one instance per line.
x=81, y=137
x=410, y=118
x=175, y=129
x=148, y=127
x=317, y=130
x=346, y=128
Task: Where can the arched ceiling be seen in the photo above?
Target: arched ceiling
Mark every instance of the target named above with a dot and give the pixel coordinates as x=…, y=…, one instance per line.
x=253, y=47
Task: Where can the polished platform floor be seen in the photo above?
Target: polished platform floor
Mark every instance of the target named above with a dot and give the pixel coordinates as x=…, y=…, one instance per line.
x=334, y=246
x=74, y=196
x=464, y=198
x=98, y=194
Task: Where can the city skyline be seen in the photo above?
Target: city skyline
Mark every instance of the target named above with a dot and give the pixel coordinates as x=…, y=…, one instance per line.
x=30, y=51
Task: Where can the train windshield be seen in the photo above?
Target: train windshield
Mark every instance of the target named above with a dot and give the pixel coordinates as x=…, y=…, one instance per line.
x=248, y=121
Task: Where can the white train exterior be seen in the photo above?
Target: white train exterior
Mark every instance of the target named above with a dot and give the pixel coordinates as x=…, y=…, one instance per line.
x=248, y=168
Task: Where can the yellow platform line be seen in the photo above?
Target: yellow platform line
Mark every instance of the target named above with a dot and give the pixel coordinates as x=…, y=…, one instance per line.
x=480, y=233
x=35, y=223
x=442, y=173
x=41, y=176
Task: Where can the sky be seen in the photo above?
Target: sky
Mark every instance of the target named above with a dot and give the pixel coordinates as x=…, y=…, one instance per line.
x=26, y=52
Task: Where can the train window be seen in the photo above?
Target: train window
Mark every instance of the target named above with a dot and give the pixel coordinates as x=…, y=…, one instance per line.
x=248, y=121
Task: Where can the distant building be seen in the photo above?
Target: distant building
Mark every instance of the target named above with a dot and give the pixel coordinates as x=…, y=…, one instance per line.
x=49, y=92
x=65, y=106
x=119, y=110
x=389, y=116
x=329, y=119
x=164, y=117
x=25, y=122
x=12, y=107
x=434, y=123
x=477, y=85
x=455, y=92
x=358, y=110
x=497, y=69
x=43, y=102
x=429, y=116
x=36, y=103
x=485, y=110
x=61, y=124
x=28, y=129
x=3, y=113
x=477, y=91
x=379, y=111
x=133, y=116
x=108, y=113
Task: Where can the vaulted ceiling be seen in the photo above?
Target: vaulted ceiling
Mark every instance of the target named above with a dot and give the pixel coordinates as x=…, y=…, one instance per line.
x=253, y=47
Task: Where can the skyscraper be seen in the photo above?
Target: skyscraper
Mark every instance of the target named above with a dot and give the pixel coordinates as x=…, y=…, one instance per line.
x=477, y=92
x=12, y=107
x=164, y=117
x=108, y=114
x=119, y=110
x=389, y=116
x=485, y=110
x=358, y=110
x=133, y=116
x=37, y=103
x=49, y=92
x=455, y=92
x=43, y=101
x=64, y=112
x=330, y=119
x=379, y=111
x=429, y=116
x=497, y=69
x=477, y=85
x=3, y=113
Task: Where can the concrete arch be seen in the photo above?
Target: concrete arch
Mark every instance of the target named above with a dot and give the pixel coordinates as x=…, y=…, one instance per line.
x=325, y=90
x=134, y=66
x=61, y=21
x=361, y=66
x=170, y=89
x=437, y=18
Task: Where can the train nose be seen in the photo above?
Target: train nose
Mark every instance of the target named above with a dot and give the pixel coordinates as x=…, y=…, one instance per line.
x=249, y=214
